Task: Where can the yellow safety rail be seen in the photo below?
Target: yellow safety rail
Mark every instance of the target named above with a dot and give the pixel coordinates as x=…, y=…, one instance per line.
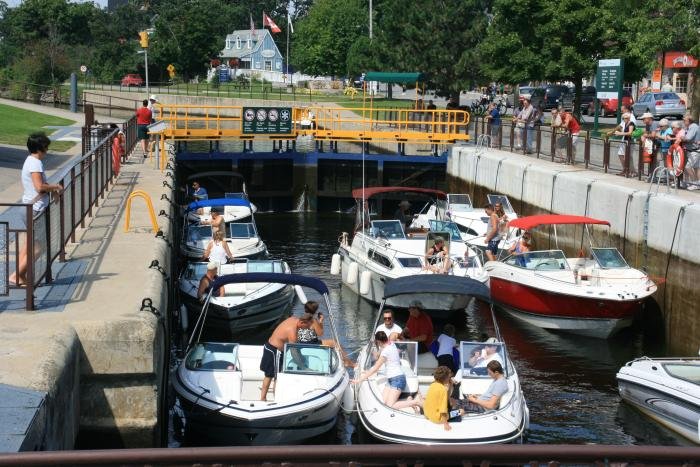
x=147, y=198
x=189, y=122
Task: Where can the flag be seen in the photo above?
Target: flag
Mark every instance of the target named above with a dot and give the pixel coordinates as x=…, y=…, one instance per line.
x=267, y=21
x=289, y=23
x=252, y=26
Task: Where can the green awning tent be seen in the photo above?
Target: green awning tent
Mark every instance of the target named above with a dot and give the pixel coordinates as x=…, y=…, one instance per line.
x=391, y=77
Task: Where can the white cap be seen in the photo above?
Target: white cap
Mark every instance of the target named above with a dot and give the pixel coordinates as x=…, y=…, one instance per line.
x=153, y=97
x=212, y=265
x=647, y=115
x=663, y=122
x=492, y=340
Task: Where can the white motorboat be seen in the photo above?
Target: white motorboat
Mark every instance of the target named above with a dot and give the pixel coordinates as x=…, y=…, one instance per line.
x=218, y=384
x=243, y=306
x=220, y=184
x=241, y=234
x=594, y=295
x=665, y=389
x=383, y=250
x=505, y=424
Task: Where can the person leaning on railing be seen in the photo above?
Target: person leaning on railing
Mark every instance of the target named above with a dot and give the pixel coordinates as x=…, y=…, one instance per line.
x=36, y=192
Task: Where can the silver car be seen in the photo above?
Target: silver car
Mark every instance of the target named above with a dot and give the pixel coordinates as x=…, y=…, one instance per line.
x=660, y=104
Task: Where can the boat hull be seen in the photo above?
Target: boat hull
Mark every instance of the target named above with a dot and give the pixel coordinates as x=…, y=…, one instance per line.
x=549, y=309
x=680, y=416
x=245, y=316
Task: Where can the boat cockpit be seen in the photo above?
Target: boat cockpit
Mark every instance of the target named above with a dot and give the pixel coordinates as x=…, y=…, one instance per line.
x=387, y=229
x=213, y=356
x=545, y=260
x=309, y=359
x=608, y=258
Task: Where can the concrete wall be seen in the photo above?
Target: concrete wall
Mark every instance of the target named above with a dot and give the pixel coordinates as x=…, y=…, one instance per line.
x=667, y=248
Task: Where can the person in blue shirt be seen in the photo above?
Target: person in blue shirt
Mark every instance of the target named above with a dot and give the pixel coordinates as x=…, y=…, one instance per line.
x=493, y=116
x=199, y=192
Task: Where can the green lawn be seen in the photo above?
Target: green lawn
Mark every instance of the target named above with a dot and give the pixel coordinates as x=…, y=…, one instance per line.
x=20, y=123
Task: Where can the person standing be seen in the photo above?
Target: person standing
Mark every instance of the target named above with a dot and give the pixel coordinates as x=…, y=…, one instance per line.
x=691, y=145
x=144, y=117
x=648, y=139
x=271, y=361
x=36, y=190
x=493, y=237
x=527, y=118
x=493, y=116
x=625, y=130
x=572, y=126
x=217, y=222
x=199, y=192
x=116, y=150
x=206, y=280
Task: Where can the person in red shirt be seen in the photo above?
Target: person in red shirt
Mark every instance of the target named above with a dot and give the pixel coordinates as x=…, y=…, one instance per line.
x=116, y=150
x=569, y=122
x=143, y=119
x=420, y=326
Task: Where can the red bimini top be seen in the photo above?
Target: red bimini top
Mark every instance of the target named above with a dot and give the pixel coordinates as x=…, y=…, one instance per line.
x=530, y=222
x=376, y=190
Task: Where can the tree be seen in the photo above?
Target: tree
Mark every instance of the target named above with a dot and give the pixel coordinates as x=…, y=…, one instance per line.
x=322, y=39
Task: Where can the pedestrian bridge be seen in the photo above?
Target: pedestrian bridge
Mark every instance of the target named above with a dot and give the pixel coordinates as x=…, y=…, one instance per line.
x=364, y=124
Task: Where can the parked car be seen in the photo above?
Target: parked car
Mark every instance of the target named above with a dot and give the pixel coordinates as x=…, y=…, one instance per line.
x=132, y=79
x=552, y=96
x=588, y=96
x=660, y=104
x=609, y=106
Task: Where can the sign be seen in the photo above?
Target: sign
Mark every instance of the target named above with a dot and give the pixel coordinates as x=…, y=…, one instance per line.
x=224, y=77
x=608, y=79
x=83, y=68
x=656, y=80
x=679, y=60
x=267, y=120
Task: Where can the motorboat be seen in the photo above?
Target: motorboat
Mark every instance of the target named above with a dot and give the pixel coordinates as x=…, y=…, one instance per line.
x=233, y=209
x=382, y=250
x=472, y=221
x=665, y=389
x=595, y=293
x=218, y=383
x=241, y=233
x=243, y=306
x=219, y=184
x=507, y=423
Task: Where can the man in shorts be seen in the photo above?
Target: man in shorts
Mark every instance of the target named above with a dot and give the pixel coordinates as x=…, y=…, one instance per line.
x=493, y=237
x=143, y=119
x=271, y=359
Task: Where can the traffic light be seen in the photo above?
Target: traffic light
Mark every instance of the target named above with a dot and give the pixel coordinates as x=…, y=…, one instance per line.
x=143, y=39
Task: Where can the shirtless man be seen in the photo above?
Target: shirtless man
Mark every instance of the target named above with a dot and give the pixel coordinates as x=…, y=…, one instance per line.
x=285, y=332
x=492, y=236
x=216, y=222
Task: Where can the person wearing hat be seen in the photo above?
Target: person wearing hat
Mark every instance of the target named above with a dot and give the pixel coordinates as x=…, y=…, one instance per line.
x=216, y=221
x=206, y=280
x=648, y=137
x=691, y=144
x=420, y=326
x=488, y=353
x=663, y=136
x=151, y=103
x=403, y=215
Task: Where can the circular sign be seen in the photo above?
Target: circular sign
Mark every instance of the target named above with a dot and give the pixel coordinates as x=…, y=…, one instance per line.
x=268, y=53
x=272, y=115
x=249, y=115
x=284, y=115
x=262, y=115
x=83, y=68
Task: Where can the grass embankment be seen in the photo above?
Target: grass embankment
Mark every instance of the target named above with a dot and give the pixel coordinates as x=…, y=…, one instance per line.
x=20, y=123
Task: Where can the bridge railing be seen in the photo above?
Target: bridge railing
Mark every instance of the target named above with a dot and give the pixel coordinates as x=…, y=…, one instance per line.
x=84, y=181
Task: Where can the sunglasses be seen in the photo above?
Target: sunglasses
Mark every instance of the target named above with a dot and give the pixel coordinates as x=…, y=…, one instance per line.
x=388, y=318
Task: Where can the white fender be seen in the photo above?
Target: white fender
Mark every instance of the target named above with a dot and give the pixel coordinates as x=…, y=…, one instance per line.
x=352, y=273
x=300, y=294
x=365, y=282
x=184, y=319
x=335, y=264
x=348, y=402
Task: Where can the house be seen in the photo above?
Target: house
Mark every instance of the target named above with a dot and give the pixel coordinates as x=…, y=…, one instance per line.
x=253, y=53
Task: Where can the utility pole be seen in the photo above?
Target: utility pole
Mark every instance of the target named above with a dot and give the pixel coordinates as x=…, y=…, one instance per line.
x=370, y=19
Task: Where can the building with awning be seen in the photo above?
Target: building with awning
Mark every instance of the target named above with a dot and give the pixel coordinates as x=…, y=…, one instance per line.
x=395, y=77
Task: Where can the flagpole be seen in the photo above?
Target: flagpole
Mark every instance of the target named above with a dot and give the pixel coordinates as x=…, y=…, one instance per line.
x=287, y=73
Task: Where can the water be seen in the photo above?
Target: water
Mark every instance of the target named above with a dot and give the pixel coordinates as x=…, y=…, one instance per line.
x=568, y=381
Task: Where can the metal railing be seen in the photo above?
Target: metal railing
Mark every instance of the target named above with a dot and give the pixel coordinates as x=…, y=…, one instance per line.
x=355, y=455
x=84, y=183
x=596, y=152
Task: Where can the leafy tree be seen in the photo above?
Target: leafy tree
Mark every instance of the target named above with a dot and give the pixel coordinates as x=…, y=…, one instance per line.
x=322, y=39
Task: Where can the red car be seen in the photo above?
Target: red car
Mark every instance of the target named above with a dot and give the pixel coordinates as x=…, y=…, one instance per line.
x=132, y=79
x=609, y=106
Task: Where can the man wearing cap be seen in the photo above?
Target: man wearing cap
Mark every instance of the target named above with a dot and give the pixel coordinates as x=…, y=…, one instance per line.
x=420, y=326
x=151, y=104
x=663, y=136
x=216, y=222
x=487, y=354
x=403, y=215
x=206, y=280
x=691, y=144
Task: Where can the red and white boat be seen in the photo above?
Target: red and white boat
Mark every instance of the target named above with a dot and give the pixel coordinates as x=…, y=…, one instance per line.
x=595, y=294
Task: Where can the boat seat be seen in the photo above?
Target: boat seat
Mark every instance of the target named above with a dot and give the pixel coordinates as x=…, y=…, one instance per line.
x=234, y=289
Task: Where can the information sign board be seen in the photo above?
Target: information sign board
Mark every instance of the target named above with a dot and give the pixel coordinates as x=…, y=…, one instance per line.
x=608, y=81
x=267, y=120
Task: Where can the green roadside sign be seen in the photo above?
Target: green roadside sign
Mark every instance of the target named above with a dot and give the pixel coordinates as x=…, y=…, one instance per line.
x=608, y=84
x=267, y=120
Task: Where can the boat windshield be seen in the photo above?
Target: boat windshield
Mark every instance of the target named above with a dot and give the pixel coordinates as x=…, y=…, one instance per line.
x=196, y=233
x=387, y=229
x=195, y=271
x=309, y=359
x=213, y=356
x=502, y=200
x=265, y=266
x=241, y=230
x=548, y=260
x=459, y=202
x=235, y=195
x=609, y=258
x=686, y=371
x=474, y=356
x=446, y=226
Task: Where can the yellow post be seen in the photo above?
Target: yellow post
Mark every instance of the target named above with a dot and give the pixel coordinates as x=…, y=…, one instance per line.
x=152, y=213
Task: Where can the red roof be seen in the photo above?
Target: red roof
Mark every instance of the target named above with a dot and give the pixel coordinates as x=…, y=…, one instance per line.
x=376, y=190
x=531, y=222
